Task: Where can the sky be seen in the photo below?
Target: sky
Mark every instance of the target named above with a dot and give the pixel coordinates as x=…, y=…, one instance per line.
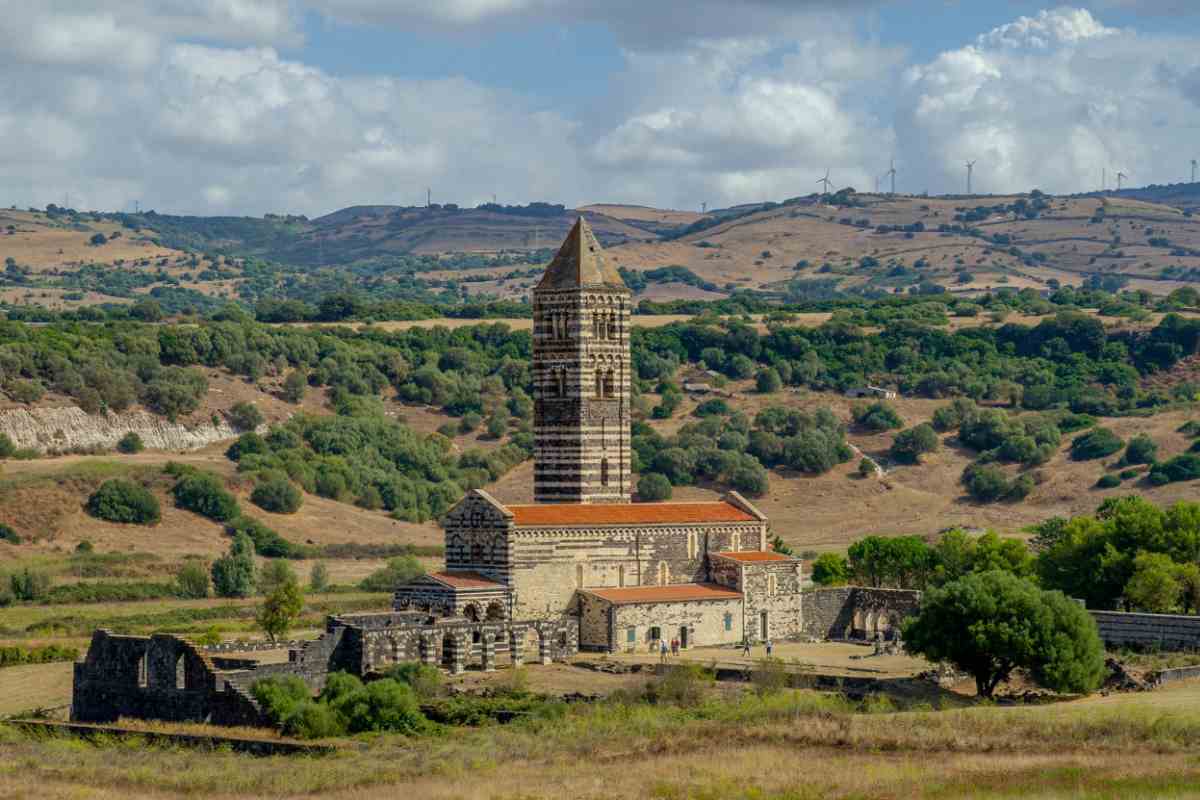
x=220, y=107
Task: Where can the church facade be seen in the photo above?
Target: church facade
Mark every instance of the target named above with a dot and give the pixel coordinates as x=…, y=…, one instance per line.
x=628, y=574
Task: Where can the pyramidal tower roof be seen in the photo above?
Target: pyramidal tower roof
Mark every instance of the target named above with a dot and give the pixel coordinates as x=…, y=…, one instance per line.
x=580, y=262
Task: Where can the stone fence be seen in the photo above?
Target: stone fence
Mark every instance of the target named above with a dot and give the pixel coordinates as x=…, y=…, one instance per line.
x=253, y=647
x=1158, y=631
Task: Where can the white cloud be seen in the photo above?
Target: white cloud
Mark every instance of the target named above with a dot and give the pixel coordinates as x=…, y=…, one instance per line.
x=1048, y=101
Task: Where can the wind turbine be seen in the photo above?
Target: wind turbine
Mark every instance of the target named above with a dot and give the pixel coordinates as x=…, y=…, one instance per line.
x=1193, y=170
x=970, y=171
x=1120, y=177
x=892, y=172
x=825, y=181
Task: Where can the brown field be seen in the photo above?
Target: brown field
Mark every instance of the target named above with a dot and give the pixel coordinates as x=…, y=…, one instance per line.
x=643, y=213
x=43, y=244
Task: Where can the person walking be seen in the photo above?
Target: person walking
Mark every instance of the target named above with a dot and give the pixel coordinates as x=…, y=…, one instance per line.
x=746, y=647
x=674, y=647
x=770, y=648
x=662, y=651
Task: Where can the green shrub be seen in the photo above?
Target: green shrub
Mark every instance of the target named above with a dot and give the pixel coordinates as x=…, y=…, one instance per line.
x=7, y=448
x=29, y=585
x=120, y=500
x=318, y=577
x=1097, y=443
x=654, y=487
x=910, y=445
x=469, y=422
x=399, y=571
x=266, y=542
x=7, y=534
x=249, y=443
x=830, y=569
x=192, y=581
x=1108, y=482
x=1140, y=450
x=425, y=679
x=877, y=417
x=245, y=416
x=110, y=592
x=1185, y=467
x=1128, y=474
x=713, y=407
x=233, y=573
x=277, y=495
x=866, y=468
x=130, y=443
x=768, y=381
x=14, y=655
x=986, y=483
x=204, y=493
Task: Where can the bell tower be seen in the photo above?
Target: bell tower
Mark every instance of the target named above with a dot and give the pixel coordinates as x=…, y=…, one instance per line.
x=581, y=377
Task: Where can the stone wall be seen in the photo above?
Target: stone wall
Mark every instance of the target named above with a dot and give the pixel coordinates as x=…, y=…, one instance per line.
x=478, y=537
x=66, y=428
x=708, y=622
x=1158, y=631
x=549, y=564
x=856, y=612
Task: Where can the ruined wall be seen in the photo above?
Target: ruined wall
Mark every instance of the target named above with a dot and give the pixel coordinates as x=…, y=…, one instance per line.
x=549, y=564
x=1159, y=631
x=856, y=612
x=708, y=622
x=65, y=428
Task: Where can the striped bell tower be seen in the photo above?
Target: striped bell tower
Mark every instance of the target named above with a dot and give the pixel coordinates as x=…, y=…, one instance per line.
x=581, y=377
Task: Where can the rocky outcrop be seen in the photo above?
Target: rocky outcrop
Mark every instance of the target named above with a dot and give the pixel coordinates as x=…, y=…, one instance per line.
x=68, y=428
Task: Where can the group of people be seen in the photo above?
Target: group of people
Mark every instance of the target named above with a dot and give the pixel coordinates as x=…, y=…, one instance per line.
x=746, y=647
x=662, y=649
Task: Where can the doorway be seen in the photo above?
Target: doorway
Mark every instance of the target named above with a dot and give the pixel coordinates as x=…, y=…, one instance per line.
x=683, y=636
x=765, y=632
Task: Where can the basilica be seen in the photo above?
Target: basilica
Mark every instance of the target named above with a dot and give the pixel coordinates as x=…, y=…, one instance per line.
x=628, y=574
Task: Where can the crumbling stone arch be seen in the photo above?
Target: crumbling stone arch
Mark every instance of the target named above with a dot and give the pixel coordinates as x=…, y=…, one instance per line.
x=495, y=611
x=472, y=612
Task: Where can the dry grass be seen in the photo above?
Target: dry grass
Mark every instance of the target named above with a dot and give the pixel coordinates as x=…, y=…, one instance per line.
x=792, y=745
x=33, y=686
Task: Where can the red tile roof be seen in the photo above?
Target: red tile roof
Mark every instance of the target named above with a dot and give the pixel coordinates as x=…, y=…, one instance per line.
x=462, y=579
x=673, y=593
x=627, y=513
x=754, y=555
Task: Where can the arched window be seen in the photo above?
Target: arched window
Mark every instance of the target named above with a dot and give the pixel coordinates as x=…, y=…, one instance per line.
x=604, y=472
x=495, y=611
x=735, y=542
x=599, y=384
x=691, y=545
x=772, y=586
x=612, y=326
x=608, y=383
x=560, y=380
x=596, y=325
x=621, y=575
x=579, y=576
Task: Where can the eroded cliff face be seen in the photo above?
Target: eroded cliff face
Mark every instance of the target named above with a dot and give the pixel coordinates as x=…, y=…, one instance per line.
x=67, y=428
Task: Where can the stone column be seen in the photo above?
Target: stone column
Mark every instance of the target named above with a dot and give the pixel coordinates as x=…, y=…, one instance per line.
x=431, y=650
x=516, y=644
x=488, y=652
x=457, y=645
x=544, y=650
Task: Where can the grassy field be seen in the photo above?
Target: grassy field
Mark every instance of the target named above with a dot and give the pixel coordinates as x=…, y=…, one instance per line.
x=786, y=746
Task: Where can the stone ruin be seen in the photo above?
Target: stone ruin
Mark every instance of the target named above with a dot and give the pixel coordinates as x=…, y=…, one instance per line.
x=171, y=678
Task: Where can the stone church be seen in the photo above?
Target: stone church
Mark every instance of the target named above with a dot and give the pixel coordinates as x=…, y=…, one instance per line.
x=630, y=574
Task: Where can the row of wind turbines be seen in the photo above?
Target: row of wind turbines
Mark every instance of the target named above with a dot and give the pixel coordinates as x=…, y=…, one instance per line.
x=826, y=183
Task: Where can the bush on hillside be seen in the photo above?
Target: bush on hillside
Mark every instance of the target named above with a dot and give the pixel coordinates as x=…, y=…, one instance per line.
x=768, y=381
x=1096, y=443
x=277, y=495
x=192, y=581
x=204, y=493
x=877, y=417
x=399, y=571
x=233, y=573
x=830, y=569
x=130, y=443
x=1108, y=482
x=1185, y=467
x=653, y=487
x=7, y=448
x=120, y=500
x=267, y=543
x=987, y=483
x=1140, y=450
x=7, y=534
x=910, y=445
x=245, y=416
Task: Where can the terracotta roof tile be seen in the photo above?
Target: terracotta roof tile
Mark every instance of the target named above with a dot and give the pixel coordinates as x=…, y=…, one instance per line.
x=626, y=513
x=754, y=555
x=674, y=593
x=462, y=579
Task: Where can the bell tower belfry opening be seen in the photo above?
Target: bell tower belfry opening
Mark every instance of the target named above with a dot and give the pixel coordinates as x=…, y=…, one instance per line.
x=581, y=377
